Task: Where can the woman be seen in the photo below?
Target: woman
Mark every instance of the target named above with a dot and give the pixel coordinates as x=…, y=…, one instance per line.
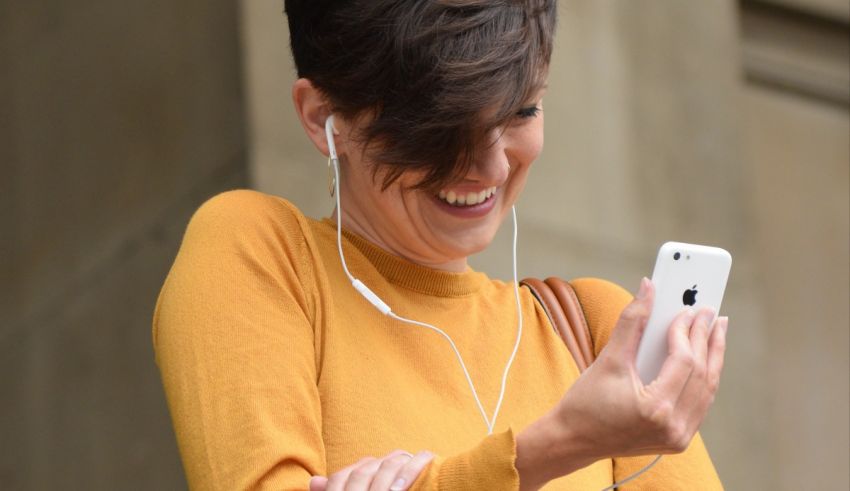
x=280, y=374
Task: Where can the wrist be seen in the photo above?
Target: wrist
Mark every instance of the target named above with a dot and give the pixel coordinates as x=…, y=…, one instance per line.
x=549, y=448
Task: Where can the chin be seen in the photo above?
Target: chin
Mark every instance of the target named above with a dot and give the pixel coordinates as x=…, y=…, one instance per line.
x=470, y=242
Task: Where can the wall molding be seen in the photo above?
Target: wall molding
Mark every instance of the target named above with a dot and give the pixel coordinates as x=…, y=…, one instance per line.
x=796, y=51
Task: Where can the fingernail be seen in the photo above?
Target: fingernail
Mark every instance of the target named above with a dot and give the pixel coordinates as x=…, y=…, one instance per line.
x=724, y=323
x=644, y=287
x=398, y=485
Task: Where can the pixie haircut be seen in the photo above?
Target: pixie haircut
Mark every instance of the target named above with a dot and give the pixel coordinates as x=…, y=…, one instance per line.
x=432, y=77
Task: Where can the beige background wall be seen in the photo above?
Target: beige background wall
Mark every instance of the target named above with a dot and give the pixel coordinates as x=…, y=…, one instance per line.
x=716, y=122
x=117, y=119
x=656, y=131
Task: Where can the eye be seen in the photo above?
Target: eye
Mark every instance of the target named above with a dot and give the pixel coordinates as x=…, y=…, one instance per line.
x=528, y=112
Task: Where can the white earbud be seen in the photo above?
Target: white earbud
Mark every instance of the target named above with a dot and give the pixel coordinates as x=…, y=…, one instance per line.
x=329, y=134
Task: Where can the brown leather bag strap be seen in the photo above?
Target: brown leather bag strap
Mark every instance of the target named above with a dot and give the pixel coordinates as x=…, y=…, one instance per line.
x=561, y=305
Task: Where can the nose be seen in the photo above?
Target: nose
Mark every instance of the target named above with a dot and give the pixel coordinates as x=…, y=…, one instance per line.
x=491, y=165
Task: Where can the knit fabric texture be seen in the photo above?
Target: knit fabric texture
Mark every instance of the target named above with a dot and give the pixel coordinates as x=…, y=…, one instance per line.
x=275, y=369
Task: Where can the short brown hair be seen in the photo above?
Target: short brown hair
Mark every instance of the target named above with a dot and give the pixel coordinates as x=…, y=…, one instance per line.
x=435, y=76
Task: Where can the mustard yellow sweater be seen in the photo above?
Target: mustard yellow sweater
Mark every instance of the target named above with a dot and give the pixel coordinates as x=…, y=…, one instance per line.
x=275, y=369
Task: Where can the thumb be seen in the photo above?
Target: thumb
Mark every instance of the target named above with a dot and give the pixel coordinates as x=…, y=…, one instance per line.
x=626, y=335
x=318, y=483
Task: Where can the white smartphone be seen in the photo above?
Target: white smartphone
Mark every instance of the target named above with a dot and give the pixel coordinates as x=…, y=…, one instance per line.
x=685, y=276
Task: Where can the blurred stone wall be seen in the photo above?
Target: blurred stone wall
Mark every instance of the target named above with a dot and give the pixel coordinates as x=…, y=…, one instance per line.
x=718, y=122
x=117, y=119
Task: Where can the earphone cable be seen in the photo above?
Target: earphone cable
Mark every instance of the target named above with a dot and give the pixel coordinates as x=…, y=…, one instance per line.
x=519, y=325
x=633, y=476
x=385, y=309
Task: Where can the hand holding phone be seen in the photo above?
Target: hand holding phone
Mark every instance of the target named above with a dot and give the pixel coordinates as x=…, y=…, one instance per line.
x=685, y=276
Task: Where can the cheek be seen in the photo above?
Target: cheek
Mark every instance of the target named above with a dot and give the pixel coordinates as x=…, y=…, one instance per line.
x=536, y=147
x=537, y=138
x=531, y=143
x=529, y=146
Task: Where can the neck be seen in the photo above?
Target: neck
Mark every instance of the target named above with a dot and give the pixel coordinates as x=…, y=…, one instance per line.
x=362, y=228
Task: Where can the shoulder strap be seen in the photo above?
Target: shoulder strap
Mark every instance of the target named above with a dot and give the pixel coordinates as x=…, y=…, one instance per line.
x=561, y=305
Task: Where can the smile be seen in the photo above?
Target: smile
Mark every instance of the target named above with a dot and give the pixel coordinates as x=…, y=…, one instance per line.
x=467, y=199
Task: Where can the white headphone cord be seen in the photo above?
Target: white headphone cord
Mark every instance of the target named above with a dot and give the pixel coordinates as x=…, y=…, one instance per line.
x=386, y=310
x=633, y=476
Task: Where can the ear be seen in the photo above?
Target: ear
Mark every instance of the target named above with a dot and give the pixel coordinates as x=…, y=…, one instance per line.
x=313, y=110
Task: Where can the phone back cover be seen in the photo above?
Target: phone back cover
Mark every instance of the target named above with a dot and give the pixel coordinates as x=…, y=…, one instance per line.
x=700, y=268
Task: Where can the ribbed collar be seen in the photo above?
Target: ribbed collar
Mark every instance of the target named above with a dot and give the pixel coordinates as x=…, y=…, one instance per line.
x=409, y=275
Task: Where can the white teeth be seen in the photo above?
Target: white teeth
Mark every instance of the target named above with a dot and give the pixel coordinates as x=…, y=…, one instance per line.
x=468, y=199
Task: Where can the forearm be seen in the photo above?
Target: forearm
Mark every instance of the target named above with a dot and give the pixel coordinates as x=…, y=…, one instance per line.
x=548, y=449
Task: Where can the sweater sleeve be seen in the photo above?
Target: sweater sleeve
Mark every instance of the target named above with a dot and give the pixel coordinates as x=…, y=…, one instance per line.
x=489, y=466
x=602, y=303
x=234, y=341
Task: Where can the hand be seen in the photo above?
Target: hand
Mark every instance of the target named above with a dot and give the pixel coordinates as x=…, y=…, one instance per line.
x=396, y=471
x=608, y=412
x=624, y=417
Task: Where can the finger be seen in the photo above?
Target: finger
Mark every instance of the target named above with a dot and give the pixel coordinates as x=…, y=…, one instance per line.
x=699, y=338
x=696, y=396
x=388, y=472
x=676, y=369
x=338, y=480
x=318, y=483
x=626, y=335
x=699, y=396
x=361, y=476
x=716, y=353
x=411, y=470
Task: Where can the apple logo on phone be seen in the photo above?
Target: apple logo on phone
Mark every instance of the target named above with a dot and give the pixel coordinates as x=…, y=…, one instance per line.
x=690, y=297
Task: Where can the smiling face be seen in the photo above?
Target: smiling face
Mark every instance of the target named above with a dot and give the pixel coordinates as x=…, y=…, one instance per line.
x=418, y=84
x=440, y=229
